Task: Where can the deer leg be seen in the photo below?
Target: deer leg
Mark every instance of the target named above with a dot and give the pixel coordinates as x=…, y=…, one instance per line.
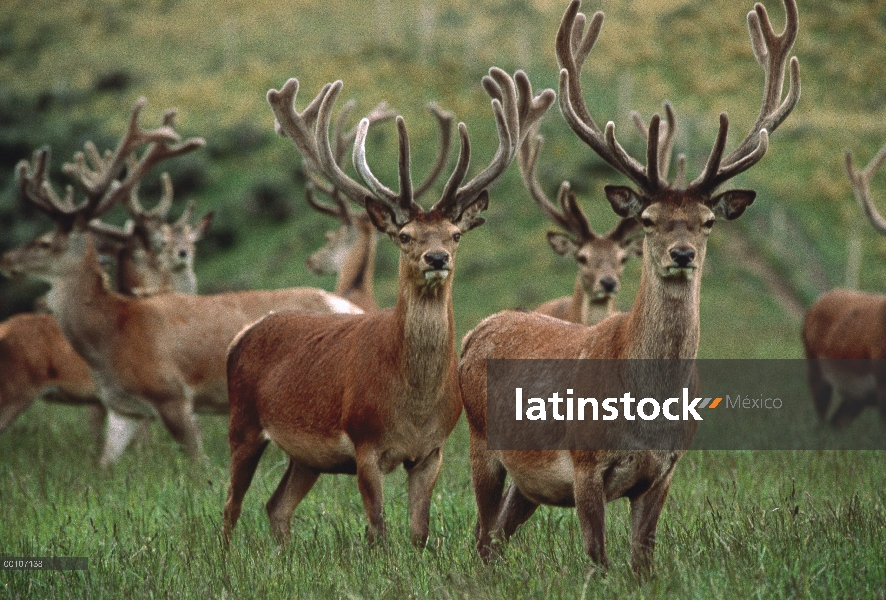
x=178, y=417
x=488, y=478
x=515, y=510
x=118, y=433
x=645, y=510
x=10, y=411
x=246, y=450
x=821, y=389
x=296, y=483
x=370, y=484
x=422, y=477
x=590, y=504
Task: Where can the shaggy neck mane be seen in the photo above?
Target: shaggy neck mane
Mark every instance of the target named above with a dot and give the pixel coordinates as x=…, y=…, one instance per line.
x=425, y=317
x=665, y=317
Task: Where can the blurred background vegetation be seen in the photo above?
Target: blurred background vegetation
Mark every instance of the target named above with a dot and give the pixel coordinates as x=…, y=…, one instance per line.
x=72, y=71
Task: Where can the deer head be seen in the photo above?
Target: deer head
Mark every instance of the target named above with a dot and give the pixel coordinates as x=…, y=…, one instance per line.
x=677, y=218
x=427, y=239
x=105, y=180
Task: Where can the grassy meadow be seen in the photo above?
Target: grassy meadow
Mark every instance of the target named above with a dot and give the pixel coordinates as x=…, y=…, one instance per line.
x=737, y=524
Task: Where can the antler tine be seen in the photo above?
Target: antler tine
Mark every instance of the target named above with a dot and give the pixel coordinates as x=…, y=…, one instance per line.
x=402, y=204
x=339, y=209
x=680, y=178
x=771, y=52
x=341, y=144
x=573, y=46
x=328, y=165
x=156, y=153
x=665, y=140
x=515, y=110
x=445, y=119
x=39, y=192
x=98, y=180
x=108, y=231
x=861, y=187
x=186, y=216
x=345, y=141
x=134, y=205
x=574, y=213
x=298, y=127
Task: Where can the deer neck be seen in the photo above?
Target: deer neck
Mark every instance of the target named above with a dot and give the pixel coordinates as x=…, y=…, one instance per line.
x=80, y=298
x=664, y=320
x=357, y=272
x=588, y=309
x=425, y=321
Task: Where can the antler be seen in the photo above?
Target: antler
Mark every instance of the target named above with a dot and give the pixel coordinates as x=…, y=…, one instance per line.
x=771, y=50
x=98, y=175
x=861, y=186
x=570, y=218
x=573, y=46
x=516, y=111
x=343, y=141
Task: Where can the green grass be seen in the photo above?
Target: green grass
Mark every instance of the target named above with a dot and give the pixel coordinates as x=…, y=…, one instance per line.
x=737, y=524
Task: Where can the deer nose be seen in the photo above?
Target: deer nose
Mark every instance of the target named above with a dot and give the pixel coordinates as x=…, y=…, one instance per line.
x=682, y=256
x=437, y=260
x=182, y=254
x=608, y=284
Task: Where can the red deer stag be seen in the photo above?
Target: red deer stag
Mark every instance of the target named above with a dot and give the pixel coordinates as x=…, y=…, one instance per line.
x=601, y=259
x=151, y=257
x=364, y=394
x=663, y=323
x=350, y=249
x=36, y=359
x=842, y=331
x=163, y=355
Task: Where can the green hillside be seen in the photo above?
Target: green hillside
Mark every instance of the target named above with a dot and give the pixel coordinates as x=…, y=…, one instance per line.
x=72, y=72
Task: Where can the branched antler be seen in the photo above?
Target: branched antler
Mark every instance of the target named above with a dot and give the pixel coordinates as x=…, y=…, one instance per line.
x=99, y=175
x=861, y=186
x=771, y=51
x=569, y=217
x=513, y=105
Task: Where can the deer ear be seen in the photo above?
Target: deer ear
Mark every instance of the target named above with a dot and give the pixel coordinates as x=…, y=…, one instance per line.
x=468, y=218
x=732, y=204
x=381, y=216
x=562, y=243
x=202, y=226
x=625, y=201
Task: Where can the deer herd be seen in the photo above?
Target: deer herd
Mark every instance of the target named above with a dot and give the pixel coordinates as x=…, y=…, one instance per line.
x=344, y=387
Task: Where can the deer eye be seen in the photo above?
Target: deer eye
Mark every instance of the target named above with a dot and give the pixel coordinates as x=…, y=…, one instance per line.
x=647, y=222
x=624, y=259
x=456, y=236
x=709, y=223
x=405, y=238
x=582, y=259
